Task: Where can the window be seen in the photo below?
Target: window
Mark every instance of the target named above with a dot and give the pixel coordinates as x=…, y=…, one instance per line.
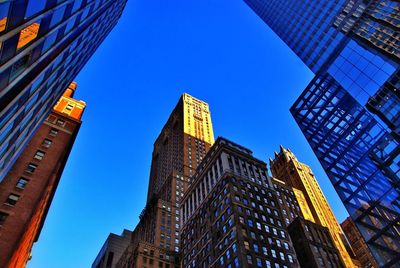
x=273, y=253
x=255, y=246
x=53, y=132
x=286, y=245
x=250, y=222
x=39, y=155
x=264, y=249
x=221, y=260
x=60, y=122
x=3, y=217
x=46, y=143
x=69, y=107
x=236, y=261
x=31, y=168
x=249, y=259
x=28, y=34
x=246, y=245
x=259, y=262
x=34, y=6
x=268, y=264
x=234, y=247
x=12, y=199
x=21, y=183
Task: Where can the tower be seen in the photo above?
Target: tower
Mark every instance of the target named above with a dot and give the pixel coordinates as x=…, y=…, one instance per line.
x=287, y=168
x=361, y=250
x=29, y=187
x=182, y=143
x=178, y=150
x=349, y=112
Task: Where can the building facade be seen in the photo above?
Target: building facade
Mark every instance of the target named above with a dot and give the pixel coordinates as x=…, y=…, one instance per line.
x=178, y=150
x=350, y=111
x=230, y=214
x=314, y=245
x=44, y=45
x=287, y=168
x=361, y=250
x=112, y=250
x=28, y=188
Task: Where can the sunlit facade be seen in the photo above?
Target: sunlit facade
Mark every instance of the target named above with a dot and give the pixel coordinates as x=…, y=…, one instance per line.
x=286, y=167
x=43, y=46
x=350, y=112
x=178, y=150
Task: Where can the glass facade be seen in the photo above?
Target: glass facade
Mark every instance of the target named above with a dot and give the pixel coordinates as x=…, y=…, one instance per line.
x=43, y=46
x=350, y=112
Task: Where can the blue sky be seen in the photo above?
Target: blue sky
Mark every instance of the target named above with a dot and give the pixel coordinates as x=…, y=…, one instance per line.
x=217, y=51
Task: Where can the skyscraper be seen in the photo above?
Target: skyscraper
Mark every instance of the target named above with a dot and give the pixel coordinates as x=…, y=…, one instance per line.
x=287, y=168
x=350, y=111
x=28, y=188
x=179, y=148
x=231, y=215
x=314, y=245
x=44, y=45
x=357, y=243
x=182, y=143
x=112, y=250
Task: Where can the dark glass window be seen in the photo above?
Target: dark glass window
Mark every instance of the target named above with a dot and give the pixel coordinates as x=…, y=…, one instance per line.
x=31, y=168
x=21, y=183
x=53, y=132
x=3, y=217
x=46, y=143
x=12, y=199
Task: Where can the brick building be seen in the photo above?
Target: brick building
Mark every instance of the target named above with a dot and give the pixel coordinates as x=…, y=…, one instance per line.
x=180, y=147
x=314, y=245
x=361, y=250
x=231, y=216
x=28, y=188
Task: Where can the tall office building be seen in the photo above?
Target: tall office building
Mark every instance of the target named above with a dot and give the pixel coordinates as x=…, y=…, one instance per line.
x=361, y=250
x=350, y=111
x=182, y=143
x=231, y=215
x=43, y=46
x=112, y=250
x=179, y=148
x=312, y=242
x=287, y=168
x=314, y=245
x=28, y=188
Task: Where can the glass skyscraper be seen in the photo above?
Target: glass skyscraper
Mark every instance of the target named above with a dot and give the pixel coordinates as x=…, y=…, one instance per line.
x=43, y=46
x=350, y=111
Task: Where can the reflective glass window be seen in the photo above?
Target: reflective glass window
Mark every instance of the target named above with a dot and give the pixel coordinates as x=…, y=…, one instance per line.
x=34, y=7
x=58, y=15
x=4, y=7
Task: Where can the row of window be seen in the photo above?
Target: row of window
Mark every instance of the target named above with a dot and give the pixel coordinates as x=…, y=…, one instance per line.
x=22, y=182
